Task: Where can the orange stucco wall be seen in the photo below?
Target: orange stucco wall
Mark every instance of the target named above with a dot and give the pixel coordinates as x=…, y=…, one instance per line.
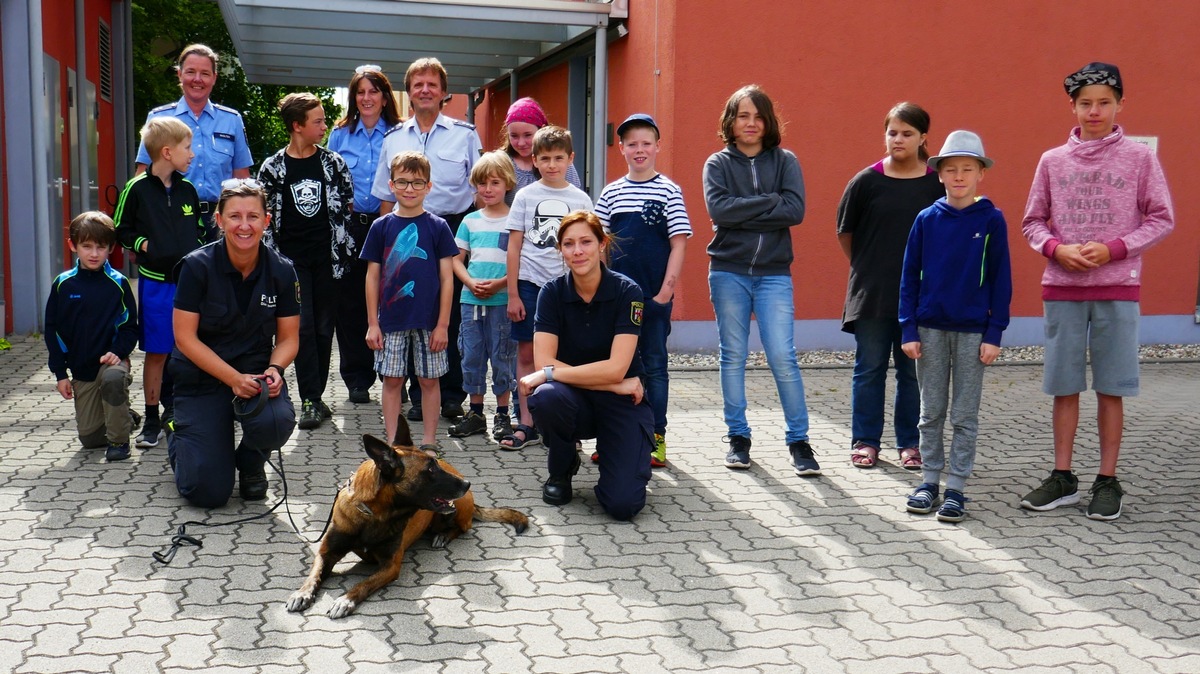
x=834, y=69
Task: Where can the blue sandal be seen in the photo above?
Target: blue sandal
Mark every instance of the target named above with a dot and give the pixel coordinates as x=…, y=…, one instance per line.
x=953, y=508
x=529, y=436
x=922, y=500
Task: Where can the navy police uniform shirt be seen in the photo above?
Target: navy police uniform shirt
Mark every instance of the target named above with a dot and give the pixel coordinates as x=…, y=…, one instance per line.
x=586, y=329
x=452, y=147
x=237, y=316
x=218, y=140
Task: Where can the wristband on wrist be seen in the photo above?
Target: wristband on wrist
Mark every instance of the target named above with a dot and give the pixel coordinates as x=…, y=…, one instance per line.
x=278, y=368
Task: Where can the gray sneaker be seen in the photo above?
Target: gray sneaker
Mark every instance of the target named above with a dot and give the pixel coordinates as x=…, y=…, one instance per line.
x=739, y=453
x=1106, y=499
x=1055, y=491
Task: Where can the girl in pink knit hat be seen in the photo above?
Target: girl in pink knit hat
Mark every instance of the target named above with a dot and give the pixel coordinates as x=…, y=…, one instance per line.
x=524, y=118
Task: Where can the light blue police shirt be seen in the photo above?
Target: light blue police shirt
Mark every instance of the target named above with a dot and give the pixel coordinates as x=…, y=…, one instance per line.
x=452, y=147
x=218, y=141
x=361, y=150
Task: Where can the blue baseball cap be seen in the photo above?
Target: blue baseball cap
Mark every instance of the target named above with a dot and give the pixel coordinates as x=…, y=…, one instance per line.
x=636, y=118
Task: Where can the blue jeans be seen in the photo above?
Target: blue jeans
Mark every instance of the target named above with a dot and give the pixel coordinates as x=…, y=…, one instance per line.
x=735, y=297
x=486, y=334
x=877, y=339
x=656, y=326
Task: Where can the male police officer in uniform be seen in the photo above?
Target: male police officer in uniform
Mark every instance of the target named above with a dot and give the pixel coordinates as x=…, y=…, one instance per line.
x=218, y=133
x=452, y=147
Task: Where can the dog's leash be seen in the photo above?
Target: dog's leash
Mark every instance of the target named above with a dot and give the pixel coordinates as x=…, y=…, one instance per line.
x=181, y=537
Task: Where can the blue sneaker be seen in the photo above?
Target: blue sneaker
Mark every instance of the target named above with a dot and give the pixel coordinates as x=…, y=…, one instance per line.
x=923, y=499
x=803, y=460
x=117, y=452
x=953, y=508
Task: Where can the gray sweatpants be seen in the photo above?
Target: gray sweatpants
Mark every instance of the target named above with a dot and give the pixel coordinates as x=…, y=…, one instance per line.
x=946, y=354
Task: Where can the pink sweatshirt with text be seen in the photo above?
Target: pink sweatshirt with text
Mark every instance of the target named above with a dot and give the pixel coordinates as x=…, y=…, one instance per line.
x=1110, y=190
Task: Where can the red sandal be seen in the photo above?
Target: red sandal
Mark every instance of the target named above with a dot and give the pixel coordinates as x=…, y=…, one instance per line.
x=910, y=458
x=864, y=455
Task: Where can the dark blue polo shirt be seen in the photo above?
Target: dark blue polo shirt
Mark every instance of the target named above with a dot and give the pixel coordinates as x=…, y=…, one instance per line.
x=237, y=316
x=586, y=329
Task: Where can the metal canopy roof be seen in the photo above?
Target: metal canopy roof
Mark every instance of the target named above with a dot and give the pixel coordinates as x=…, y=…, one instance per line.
x=319, y=43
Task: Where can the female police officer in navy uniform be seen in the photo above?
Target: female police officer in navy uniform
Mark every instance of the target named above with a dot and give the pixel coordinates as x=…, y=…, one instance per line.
x=587, y=382
x=237, y=325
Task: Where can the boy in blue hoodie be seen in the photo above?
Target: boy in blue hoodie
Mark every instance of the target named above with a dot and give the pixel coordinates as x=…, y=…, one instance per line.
x=955, y=288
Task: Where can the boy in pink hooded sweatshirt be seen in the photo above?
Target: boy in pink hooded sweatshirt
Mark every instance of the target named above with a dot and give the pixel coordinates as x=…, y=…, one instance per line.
x=1096, y=204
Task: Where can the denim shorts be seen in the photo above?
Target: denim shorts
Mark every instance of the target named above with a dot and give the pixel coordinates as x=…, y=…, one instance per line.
x=156, y=303
x=392, y=360
x=486, y=334
x=522, y=331
x=1108, y=330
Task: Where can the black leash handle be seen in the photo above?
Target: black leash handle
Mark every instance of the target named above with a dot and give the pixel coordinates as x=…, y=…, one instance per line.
x=181, y=538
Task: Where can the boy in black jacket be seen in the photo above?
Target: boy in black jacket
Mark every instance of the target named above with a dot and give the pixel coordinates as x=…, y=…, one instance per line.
x=91, y=326
x=158, y=218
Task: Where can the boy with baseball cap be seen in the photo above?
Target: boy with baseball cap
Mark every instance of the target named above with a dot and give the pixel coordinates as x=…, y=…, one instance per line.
x=1096, y=204
x=644, y=210
x=955, y=287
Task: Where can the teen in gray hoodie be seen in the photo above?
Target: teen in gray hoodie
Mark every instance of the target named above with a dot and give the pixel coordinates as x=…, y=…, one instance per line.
x=754, y=191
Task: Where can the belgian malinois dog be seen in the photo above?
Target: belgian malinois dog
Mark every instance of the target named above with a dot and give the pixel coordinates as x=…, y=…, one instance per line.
x=395, y=496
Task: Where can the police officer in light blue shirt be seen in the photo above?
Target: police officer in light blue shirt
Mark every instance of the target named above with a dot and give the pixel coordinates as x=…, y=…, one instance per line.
x=452, y=146
x=371, y=111
x=218, y=133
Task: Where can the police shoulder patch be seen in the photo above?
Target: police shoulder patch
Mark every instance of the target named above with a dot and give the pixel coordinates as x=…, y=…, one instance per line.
x=297, y=292
x=459, y=122
x=635, y=312
x=163, y=108
x=226, y=108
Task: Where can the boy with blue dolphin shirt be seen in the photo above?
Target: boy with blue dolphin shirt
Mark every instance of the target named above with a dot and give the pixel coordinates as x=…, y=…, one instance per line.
x=410, y=282
x=955, y=288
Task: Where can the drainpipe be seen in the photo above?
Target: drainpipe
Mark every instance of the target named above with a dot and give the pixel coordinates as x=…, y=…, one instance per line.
x=599, y=112
x=41, y=145
x=83, y=180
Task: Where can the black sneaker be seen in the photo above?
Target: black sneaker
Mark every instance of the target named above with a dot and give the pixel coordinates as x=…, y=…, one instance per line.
x=116, y=452
x=151, y=435
x=472, y=424
x=739, y=453
x=323, y=410
x=310, y=416
x=414, y=413
x=359, y=396
x=803, y=460
x=1106, y=499
x=501, y=426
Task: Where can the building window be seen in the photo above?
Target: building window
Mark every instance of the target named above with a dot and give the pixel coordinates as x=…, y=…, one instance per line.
x=106, y=62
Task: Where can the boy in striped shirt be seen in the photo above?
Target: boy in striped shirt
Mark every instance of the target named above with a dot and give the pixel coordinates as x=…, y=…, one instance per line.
x=644, y=210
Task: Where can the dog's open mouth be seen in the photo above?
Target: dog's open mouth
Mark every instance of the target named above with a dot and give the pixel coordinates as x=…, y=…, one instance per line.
x=442, y=506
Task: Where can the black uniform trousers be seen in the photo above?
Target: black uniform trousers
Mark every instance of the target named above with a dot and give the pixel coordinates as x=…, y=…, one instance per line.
x=201, y=450
x=624, y=435
x=357, y=365
x=318, y=318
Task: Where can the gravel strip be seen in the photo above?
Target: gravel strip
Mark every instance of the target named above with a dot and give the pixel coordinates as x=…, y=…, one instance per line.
x=1009, y=355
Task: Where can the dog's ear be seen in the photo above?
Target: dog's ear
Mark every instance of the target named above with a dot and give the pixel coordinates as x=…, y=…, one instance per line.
x=384, y=456
x=403, y=434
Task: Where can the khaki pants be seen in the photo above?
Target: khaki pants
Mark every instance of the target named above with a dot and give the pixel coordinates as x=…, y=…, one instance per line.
x=100, y=423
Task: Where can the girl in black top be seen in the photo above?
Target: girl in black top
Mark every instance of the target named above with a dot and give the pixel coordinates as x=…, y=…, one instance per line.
x=588, y=378
x=873, y=220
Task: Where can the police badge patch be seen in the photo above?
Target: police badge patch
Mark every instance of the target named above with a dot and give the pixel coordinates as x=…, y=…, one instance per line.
x=297, y=292
x=635, y=312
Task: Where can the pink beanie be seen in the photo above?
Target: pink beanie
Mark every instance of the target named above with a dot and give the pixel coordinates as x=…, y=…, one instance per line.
x=526, y=110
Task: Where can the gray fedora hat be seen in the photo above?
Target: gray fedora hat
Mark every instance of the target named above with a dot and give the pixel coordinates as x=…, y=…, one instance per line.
x=961, y=144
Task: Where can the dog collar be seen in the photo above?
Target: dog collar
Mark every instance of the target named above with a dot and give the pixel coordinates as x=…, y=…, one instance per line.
x=362, y=508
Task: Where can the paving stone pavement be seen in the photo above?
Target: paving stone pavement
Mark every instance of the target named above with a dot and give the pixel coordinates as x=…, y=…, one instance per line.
x=754, y=571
